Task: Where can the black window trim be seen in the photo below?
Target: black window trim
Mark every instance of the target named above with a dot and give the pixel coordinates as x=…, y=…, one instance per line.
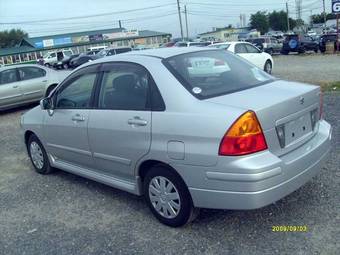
x=153, y=88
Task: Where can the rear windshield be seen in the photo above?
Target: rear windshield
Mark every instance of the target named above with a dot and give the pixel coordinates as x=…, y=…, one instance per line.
x=212, y=73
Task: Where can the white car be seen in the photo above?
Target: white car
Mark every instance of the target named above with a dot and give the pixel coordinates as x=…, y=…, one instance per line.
x=53, y=57
x=22, y=84
x=249, y=52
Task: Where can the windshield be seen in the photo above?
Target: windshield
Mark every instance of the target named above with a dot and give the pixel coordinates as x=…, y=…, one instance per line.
x=211, y=73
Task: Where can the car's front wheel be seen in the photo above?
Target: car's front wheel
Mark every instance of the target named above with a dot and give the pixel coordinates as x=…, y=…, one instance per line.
x=168, y=197
x=38, y=155
x=268, y=67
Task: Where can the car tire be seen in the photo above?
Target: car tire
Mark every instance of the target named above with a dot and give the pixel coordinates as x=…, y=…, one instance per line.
x=47, y=65
x=268, y=66
x=284, y=52
x=38, y=155
x=302, y=50
x=316, y=50
x=174, y=210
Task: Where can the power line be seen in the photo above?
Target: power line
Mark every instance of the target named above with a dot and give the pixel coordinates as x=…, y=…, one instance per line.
x=85, y=16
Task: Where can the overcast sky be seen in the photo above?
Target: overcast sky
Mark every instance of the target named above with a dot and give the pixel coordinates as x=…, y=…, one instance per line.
x=158, y=15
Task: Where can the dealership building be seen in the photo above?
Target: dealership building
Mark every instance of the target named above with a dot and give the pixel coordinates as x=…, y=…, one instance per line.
x=30, y=49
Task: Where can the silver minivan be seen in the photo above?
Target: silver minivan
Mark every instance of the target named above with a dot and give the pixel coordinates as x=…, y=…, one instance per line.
x=187, y=128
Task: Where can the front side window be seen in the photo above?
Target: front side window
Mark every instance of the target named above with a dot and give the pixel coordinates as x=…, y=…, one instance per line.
x=124, y=87
x=211, y=73
x=8, y=76
x=77, y=93
x=27, y=73
x=251, y=49
x=240, y=48
x=53, y=55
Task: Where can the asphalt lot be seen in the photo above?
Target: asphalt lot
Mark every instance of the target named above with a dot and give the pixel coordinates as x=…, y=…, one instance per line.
x=66, y=214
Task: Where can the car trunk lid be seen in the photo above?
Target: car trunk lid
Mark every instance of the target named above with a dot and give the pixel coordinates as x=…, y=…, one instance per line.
x=284, y=110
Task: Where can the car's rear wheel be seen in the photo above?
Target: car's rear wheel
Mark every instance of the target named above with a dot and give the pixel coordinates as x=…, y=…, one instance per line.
x=268, y=67
x=168, y=197
x=38, y=155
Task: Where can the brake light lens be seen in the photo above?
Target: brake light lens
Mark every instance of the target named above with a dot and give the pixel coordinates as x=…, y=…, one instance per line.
x=321, y=105
x=245, y=136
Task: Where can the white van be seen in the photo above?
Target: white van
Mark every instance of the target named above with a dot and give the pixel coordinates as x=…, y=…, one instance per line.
x=96, y=48
x=52, y=57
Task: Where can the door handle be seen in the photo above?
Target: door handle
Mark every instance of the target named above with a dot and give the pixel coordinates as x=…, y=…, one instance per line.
x=137, y=121
x=15, y=86
x=78, y=117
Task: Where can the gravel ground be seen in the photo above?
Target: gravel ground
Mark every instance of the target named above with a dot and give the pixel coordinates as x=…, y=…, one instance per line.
x=66, y=214
x=310, y=68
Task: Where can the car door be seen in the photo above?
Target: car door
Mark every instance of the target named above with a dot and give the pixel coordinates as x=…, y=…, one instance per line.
x=33, y=82
x=65, y=128
x=120, y=129
x=10, y=92
x=255, y=55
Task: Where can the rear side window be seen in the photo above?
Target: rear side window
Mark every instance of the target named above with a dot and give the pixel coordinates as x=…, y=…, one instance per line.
x=124, y=87
x=207, y=74
x=8, y=76
x=27, y=73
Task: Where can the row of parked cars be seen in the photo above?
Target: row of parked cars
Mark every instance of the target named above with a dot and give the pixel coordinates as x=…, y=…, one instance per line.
x=65, y=59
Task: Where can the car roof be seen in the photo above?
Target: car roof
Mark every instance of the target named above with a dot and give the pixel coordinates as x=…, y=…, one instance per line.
x=158, y=53
x=21, y=65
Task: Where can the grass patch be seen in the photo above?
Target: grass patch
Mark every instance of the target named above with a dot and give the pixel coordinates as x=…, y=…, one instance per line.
x=330, y=86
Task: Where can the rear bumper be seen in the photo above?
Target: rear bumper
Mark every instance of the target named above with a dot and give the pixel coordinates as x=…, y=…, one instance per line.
x=259, y=180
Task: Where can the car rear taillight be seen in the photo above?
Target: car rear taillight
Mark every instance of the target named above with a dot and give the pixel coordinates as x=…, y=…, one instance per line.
x=321, y=105
x=245, y=136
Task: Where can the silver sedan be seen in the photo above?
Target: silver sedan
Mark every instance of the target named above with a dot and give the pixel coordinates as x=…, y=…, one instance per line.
x=27, y=83
x=187, y=128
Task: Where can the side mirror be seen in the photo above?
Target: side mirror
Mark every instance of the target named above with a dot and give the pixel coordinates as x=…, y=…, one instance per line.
x=46, y=103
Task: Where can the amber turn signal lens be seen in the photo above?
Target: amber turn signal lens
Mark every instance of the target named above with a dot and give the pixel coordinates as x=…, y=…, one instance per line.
x=245, y=136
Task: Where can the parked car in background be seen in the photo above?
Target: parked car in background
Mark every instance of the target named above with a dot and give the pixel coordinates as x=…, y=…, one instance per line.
x=65, y=63
x=187, y=128
x=326, y=38
x=299, y=43
x=96, y=48
x=53, y=57
x=26, y=83
x=81, y=59
x=249, y=52
x=267, y=44
x=112, y=51
x=189, y=44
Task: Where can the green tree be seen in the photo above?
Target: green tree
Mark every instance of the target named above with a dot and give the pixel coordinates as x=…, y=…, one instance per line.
x=278, y=20
x=259, y=21
x=319, y=18
x=11, y=38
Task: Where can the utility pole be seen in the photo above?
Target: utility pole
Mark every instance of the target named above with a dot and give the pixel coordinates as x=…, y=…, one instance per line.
x=288, y=25
x=120, y=23
x=180, y=18
x=324, y=13
x=186, y=21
